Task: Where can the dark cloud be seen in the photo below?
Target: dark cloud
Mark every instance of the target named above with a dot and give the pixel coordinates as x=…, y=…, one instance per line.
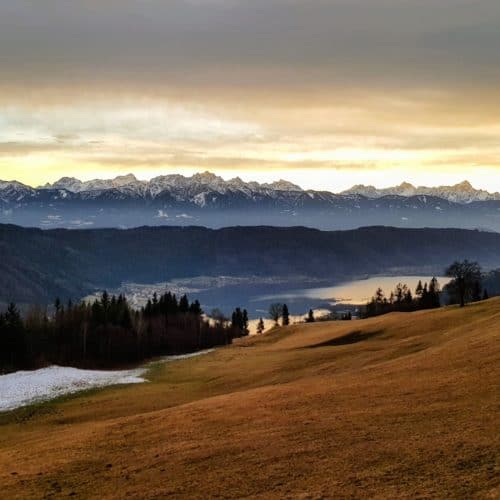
x=255, y=43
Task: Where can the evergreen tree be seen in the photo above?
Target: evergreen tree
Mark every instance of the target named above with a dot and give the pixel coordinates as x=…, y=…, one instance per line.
x=310, y=317
x=245, y=321
x=434, y=293
x=105, y=301
x=260, y=326
x=183, y=304
x=14, y=341
x=285, y=315
x=195, y=308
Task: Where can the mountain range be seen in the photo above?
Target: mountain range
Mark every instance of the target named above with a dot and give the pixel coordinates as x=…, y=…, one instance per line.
x=209, y=200
x=192, y=188
x=459, y=193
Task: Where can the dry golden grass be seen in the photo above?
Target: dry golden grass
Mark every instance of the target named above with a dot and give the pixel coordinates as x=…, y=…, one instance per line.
x=401, y=406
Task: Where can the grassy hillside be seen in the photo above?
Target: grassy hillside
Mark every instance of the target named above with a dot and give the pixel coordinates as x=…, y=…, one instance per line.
x=404, y=405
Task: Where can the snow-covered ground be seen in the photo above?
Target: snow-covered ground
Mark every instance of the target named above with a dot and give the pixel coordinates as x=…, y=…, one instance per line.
x=26, y=387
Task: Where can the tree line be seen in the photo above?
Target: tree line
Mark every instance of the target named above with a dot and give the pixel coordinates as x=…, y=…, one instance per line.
x=425, y=296
x=465, y=286
x=108, y=332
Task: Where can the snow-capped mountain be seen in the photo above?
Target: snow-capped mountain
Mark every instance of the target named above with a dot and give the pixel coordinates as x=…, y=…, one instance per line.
x=207, y=199
x=77, y=186
x=15, y=191
x=195, y=189
x=459, y=193
x=182, y=188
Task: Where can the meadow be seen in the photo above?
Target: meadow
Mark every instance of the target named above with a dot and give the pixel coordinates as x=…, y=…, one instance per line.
x=398, y=406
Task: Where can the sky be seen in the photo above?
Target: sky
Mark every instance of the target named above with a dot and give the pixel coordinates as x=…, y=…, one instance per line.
x=324, y=93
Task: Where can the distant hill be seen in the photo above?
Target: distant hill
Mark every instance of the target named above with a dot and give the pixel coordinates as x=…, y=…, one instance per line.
x=37, y=265
x=208, y=200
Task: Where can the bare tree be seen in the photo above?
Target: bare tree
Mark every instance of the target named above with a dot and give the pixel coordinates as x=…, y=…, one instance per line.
x=275, y=312
x=219, y=317
x=465, y=275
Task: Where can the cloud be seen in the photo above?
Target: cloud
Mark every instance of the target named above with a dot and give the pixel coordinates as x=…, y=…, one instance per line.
x=256, y=44
x=339, y=85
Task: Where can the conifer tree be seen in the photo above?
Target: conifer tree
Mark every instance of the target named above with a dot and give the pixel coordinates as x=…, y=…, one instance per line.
x=245, y=322
x=260, y=326
x=310, y=317
x=183, y=304
x=285, y=315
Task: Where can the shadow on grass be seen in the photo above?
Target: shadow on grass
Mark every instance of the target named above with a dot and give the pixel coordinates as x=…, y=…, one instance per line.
x=349, y=338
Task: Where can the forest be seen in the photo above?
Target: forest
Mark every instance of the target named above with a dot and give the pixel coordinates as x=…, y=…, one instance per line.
x=108, y=333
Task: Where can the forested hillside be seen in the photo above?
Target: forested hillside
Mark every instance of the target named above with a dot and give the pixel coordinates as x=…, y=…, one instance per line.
x=36, y=266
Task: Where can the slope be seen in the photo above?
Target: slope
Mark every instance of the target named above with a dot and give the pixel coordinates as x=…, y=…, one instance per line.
x=36, y=266
x=404, y=405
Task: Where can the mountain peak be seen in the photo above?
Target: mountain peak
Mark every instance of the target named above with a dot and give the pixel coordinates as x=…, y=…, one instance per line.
x=124, y=180
x=463, y=192
x=282, y=185
x=208, y=176
x=465, y=185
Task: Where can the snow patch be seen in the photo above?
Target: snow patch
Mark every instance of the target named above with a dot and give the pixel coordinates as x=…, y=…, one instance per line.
x=27, y=387
x=23, y=388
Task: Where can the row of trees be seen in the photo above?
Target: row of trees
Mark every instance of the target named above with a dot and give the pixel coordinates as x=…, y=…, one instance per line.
x=279, y=311
x=426, y=296
x=108, y=332
x=465, y=286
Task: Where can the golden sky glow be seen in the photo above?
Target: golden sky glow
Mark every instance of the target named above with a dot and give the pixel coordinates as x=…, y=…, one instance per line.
x=324, y=93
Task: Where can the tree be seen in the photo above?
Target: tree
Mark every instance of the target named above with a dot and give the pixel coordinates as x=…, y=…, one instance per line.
x=310, y=317
x=476, y=292
x=419, y=290
x=434, y=300
x=275, y=312
x=485, y=295
x=183, y=304
x=245, y=322
x=260, y=326
x=239, y=321
x=14, y=341
x=218, y=316
x=286, y=315
x=465, y=275
x=195, y=308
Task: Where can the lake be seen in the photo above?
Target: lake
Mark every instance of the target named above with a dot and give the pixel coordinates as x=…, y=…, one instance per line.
x=257, y=293
x=354, y=292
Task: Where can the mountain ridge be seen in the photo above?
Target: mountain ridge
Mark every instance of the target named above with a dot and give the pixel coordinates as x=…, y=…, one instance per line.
x=462, y=192
x=38, y=265
x=208, y=200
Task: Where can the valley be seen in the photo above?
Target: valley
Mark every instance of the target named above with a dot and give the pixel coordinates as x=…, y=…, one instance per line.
x=38, y=266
